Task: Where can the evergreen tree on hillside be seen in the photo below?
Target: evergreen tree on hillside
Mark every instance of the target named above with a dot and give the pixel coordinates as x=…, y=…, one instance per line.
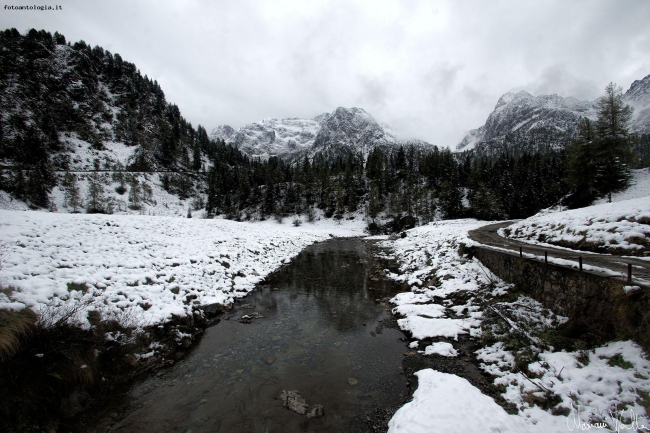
x=600, y=156
x=582, y=166
x=450, y=200
x=135, y=194
x=612, y=148
x=72, y=196
x=95, y=197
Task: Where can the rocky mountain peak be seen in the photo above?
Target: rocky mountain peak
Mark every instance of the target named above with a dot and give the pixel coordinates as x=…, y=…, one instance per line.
x=638, y=96
x=523, y=122
x=503, y=100
x=223, y=132
x=349, y=129
x=330, y=134
x=526, y=121
x=321, y=118
x=639, y=91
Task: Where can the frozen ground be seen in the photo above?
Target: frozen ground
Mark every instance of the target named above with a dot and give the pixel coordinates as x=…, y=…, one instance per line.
x=553, y=391
x=620, y=227
x=639, y=187
x=147, y=268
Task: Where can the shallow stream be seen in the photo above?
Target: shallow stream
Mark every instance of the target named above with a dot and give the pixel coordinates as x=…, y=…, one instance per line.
x=323, y=333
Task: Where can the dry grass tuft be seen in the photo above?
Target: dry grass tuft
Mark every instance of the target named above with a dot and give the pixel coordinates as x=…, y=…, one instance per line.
x=14, y=327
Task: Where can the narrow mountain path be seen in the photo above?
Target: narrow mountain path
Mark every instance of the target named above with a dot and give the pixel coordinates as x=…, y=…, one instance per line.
x=592, y=262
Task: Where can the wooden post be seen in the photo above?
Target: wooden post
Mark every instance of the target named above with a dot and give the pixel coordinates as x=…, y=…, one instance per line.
x=580, y=262
x=629, y=273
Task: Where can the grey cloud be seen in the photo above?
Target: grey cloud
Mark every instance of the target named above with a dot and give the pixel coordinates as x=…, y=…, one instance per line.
x=557, y=79
x=374, y=90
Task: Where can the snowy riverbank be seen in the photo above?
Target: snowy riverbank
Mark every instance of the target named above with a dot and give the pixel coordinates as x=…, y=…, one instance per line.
x=552, y=390
x=148, y=268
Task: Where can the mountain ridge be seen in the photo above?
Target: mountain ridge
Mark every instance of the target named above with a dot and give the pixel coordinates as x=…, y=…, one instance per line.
x=532, y=123
x=328, y=134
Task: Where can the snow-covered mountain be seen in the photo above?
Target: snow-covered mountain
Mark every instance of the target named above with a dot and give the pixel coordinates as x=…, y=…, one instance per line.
x=529, y=123
x=329, y=134
x=271, y=137
x=638, y=96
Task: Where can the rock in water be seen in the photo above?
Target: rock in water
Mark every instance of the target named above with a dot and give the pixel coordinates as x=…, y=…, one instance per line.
x=245, y=319
x=212, y=310
x=294, y=401
x=315, y=411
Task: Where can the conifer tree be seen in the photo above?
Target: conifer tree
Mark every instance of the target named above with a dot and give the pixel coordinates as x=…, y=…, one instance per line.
x=340, y=209
x=95, y=198
x=39, y=184
x=374, y=203
x=582, y=166
x=451, y=200
x=599, y=157
x=118, y=176
x=71, y=196
x=135, y=194
x=19, y=184
x=613, y=145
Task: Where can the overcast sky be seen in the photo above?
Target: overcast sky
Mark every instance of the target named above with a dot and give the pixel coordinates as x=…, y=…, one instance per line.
x=431, y=69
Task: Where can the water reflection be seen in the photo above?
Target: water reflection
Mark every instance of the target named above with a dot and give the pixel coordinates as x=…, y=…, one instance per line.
x=321, y=335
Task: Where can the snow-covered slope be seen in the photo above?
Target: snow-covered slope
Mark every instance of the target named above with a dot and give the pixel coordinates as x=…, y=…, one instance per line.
x=153, y=199
x=330, y=134
x=523, y=122
x=620, y=227
x=90, y=111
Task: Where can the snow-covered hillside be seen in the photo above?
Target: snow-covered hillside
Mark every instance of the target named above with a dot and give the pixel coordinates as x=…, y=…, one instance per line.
x=620, y=227
x=147, y=267
x=90, y=112
x=617, y=228
x=152, y=198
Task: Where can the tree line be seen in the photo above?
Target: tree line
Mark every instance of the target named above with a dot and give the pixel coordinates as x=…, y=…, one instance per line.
x=398, y=189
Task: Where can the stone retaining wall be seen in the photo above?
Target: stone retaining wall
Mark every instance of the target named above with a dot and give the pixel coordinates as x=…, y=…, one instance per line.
x=594, y=304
